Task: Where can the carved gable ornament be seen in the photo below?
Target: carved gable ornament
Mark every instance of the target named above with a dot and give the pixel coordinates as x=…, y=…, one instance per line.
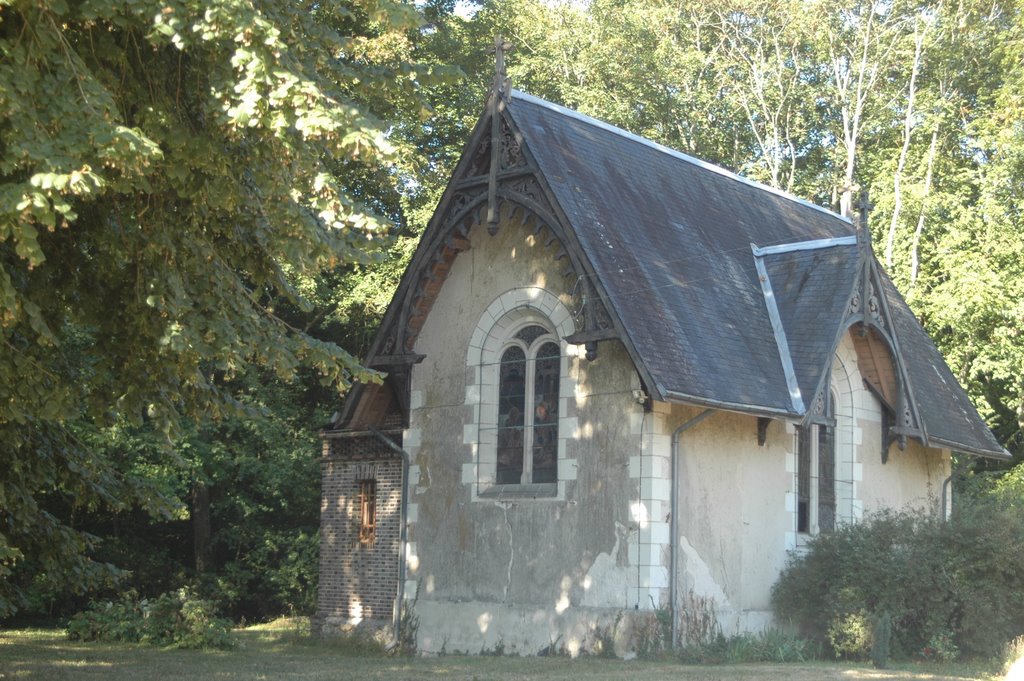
x=496, y=176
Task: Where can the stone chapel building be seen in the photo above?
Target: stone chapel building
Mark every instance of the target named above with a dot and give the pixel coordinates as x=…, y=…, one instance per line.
x=621, y=380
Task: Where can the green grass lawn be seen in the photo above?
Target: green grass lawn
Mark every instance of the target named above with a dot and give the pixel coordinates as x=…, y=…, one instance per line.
x=281, y=653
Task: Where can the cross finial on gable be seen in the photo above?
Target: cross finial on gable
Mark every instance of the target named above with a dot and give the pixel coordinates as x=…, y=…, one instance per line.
x=864, y=207
x=500, y=92
x=500, y=86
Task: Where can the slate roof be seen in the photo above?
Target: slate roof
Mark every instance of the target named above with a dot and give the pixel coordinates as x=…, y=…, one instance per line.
x=950, y=419
x=670, y=241
x=725, y=292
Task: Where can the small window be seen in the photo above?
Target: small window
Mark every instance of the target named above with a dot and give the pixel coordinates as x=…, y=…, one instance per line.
x=367, y=512
x=816, y=476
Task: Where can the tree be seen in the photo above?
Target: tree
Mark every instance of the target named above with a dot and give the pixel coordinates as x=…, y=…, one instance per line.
x=768, y=70
x=172, y=175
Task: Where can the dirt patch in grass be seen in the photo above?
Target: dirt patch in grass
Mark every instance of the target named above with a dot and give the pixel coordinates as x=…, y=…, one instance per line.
x=285, y=653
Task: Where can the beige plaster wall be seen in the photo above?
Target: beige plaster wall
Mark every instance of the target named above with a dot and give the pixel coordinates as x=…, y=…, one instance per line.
x=733, y=521
x=737, y=500
x=520, y=573
x=912, y=478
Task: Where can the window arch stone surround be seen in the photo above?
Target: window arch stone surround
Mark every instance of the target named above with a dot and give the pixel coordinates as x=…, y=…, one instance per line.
x=506, y=315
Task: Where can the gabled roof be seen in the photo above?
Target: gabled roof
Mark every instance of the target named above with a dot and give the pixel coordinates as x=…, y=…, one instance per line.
x=725, y=292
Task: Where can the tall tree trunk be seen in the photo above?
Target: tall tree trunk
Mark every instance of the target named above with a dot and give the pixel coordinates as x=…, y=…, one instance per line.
x=908, y=129
x=857, y=57
x=201, y=532
x=924, y=200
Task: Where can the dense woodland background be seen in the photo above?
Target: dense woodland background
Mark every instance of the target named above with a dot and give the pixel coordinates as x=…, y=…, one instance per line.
x=205, y=207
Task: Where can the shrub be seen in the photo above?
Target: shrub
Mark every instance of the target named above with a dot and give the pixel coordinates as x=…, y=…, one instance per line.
x=771, y=645
x=177, y=619
x=881, y=635
x=948, y=587
x=849, y=634
x=180, y=619
x=119, y=620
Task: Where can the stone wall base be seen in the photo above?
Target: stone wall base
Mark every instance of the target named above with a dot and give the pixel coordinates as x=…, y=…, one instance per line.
x=488, y=628
x=377, y=630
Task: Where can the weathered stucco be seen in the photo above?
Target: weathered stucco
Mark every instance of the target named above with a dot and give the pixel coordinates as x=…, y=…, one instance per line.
x=546, y=569
x=737, y=500
x=584, y=562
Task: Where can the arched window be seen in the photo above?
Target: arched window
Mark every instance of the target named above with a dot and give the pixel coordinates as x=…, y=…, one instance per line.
x=519, y=383
x=816, y=473
x=527, y=419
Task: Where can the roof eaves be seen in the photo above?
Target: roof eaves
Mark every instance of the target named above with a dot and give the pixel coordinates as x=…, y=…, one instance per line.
x=976, y=451
x=753, y=409
x=518, y=94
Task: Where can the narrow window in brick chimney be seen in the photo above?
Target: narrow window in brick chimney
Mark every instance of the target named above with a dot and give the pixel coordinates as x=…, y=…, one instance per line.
x=367, y=512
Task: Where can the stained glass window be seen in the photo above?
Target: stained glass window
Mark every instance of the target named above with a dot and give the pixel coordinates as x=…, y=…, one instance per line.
x=511, y=421
x=545, y=414
x=527, y=428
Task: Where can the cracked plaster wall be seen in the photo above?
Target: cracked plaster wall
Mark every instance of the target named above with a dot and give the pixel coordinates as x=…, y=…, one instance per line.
x=522, y=572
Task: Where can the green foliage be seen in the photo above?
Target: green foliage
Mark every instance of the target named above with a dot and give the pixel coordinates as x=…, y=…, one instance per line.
x=161, y=223
x=175, y=620
x=947, y=586
x=941, y=646
x=849, y=634
x=881, y=637
x=771, y=645
x=119, y=620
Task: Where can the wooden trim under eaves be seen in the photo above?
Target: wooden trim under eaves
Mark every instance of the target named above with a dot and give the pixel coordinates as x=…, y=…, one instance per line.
x=877, y=365
x=903, y=375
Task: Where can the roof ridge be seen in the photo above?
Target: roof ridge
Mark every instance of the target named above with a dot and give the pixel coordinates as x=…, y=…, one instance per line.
x=519, y=94
x=806, y=245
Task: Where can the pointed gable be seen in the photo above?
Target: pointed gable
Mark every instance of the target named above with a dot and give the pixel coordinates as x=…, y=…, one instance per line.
x=811, y=284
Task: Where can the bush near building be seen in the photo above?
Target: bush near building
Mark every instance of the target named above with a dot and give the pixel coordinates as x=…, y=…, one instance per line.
x=950, y=588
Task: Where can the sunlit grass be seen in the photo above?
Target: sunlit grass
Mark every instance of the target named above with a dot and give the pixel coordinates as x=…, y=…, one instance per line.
x=283, y=650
